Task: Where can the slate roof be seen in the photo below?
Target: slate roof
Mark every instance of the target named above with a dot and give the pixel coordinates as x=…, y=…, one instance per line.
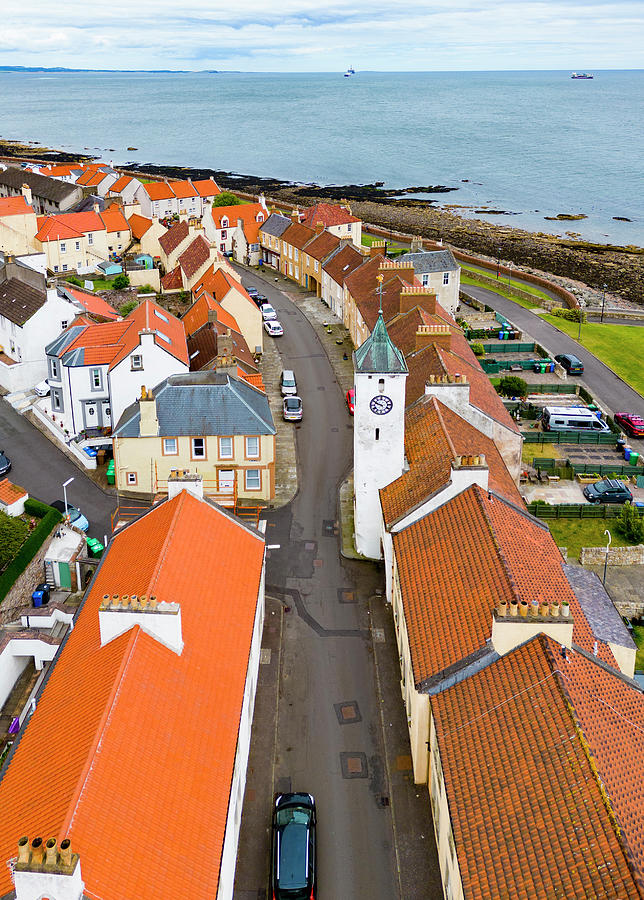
x=427, y=261
x=203, y=403
x=20, y=301
x=599, y=609
x=142, y=733
x=539, y=753
x=41, y=186
x=378, y=354
x=276, y=224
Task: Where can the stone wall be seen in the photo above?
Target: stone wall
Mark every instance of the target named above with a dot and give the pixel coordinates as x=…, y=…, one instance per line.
x=617, y=556
x=19, y=597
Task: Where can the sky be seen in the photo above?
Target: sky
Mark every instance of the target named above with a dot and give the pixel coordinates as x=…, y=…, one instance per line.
x=310, y=36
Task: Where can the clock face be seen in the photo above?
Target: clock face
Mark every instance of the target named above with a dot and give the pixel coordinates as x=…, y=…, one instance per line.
x=381, y=405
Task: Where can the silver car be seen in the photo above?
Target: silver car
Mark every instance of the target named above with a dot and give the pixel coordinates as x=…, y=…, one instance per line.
x=292, y=409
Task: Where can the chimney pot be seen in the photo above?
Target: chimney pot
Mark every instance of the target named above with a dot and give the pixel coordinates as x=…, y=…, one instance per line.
x=134, y=602
x=554, y=610
x=544, y=609
x=52, y=854
x=37, y=851
x=534, y=608
x=514, y=608
x=153, y=601
x=502, y=608
x=523, y=608
x=23, y=850
x=66, y=852
x=143, y=601
x=125, y=601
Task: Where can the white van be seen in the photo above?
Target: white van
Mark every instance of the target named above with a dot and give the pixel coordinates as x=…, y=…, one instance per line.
x=571, y=418
x=288, y=383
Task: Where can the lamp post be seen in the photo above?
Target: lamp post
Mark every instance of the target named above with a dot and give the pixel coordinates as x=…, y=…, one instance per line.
x=610, y=537
x=603, y=302
x=498, y=261
x=65, y=483
x=580, y=311
x=509, y=274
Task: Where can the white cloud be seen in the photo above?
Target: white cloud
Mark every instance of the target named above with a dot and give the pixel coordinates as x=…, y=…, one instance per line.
x=303, y=35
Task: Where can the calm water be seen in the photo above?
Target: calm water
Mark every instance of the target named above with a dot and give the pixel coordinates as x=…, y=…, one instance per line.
x=533, y=143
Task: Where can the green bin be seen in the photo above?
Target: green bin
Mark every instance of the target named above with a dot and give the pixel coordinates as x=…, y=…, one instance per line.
x=95, y=547
x=110, y=472
x=634, y=458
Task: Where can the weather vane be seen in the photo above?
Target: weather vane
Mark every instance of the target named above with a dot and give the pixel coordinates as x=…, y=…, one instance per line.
x=379, y=279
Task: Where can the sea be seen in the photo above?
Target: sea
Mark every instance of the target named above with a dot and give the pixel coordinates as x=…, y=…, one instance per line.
x=517, y=146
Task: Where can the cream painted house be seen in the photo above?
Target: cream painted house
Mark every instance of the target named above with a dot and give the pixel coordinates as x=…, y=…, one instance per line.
x=211, y=423
x=18, y=224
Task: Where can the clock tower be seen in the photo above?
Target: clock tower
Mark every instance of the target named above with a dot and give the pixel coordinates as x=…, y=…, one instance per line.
x=380, y=373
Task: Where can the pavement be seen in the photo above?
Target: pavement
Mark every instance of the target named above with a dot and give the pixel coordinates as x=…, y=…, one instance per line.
x=329, y=717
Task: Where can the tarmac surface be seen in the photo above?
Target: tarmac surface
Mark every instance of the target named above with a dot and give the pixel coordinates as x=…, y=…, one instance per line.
x=328, y=716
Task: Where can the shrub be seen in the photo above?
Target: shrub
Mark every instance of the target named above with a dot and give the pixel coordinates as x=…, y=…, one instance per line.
x=13, y=532
x=121, y=281
x=74, y=280
x=513, y=386
x=146, y=289
x=226, y=199
x=127, y=308
x=478, y=349
x=49, y=517
x=571, y=314
x=630, y=525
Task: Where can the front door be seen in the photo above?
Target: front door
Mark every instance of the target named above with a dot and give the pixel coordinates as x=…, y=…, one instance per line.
x=226, y=481
x=92, y=414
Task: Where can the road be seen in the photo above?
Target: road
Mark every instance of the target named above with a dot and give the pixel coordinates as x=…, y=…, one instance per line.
x=611, y=391
x=41, y=468
x=326, y=658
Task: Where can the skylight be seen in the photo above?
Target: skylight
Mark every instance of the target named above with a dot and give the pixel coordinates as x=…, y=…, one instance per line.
x=163, y=336
x=160, y=315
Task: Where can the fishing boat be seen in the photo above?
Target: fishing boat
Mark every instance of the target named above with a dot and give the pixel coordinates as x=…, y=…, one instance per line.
x=351, y=71
x=582, y=75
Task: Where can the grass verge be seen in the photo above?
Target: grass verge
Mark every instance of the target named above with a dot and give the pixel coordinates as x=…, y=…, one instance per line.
x=619, y=346
x=577, y=533
x=500, y=289
x=502, y=280
x=368, y=239
x=638, y=637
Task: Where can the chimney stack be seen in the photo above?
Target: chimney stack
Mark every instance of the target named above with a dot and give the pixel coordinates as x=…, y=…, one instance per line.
x=183, y=480
x=149, y=423
x=378, y=248
x=319, y=227
x=423, y=297
x=26, y=193
x=295, y=216
x=440, y=335
x=97, y=208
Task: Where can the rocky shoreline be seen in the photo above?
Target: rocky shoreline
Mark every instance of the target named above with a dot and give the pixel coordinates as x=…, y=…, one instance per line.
x=621, y=269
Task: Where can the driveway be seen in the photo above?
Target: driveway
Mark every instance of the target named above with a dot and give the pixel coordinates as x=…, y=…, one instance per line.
x=41, y=468
x=602, y=382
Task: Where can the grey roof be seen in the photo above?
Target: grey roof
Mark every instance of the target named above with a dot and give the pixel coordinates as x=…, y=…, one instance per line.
x=276, y=224
x=203, y=403
x=603, y=618
x=41, y=186
x=64, y=340
x=19, y=301
x=431, y=261
x=379, y=354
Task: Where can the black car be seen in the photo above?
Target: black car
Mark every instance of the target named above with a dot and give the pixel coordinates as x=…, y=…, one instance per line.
x=571, y=363
x=5, y=464
x=293, y=865
x=610, y=490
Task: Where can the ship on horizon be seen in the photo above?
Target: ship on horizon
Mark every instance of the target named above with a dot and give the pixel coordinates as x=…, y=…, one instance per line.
x=582, y=75
x=350, y=71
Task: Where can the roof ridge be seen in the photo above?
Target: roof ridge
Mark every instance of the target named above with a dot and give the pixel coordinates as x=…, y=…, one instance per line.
x=235, y=389
x=480, y=499
x=180, y=498
x=445, y=430
x=102, y=726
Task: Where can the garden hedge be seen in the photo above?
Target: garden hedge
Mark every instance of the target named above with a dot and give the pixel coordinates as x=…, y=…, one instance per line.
x=49, y=518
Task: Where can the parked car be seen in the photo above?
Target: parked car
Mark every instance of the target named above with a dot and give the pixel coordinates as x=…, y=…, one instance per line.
x=632, y=424
x=268, y=312
x=351, y=400
x=42, y=388
x=293, y=869
x=251, y=291
x=610, y=490
x=261, y=299
x=288, y=384
x=5, y=464
x=273, y=328
x=76, y=517
x=292, y=409
x=571, y=363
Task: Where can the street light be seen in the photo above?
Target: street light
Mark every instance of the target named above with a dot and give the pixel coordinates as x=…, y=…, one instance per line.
x=580, y=311
x=509, y=274
x=65, y=483
x=603, y=302
x=498, y=261
x=610, y=537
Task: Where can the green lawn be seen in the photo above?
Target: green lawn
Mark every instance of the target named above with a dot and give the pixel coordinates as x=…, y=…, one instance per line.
x=577, y=533
x=619, y=346
x=638, y=635
x=503, y=280
x=502, y=290
x=368, y=239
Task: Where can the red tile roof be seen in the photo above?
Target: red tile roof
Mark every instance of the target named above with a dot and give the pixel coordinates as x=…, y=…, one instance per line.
x=139, y=225
x=173, y=237
x=434, y=437
x=114, y=219
x=297, y=235
x=322, y=245
x=68, y=225
x=329, y=214
x=15, y=206
x=113, y=719
x=10, y=492
x=92, y=303
x=343, y=263
x=457, y=562
x=172, y=281
x=530, y=808
x=158, y=190
x=247, y=212
x=206, y=187
x=183, y=189
x=195, y=256
x=120, y=184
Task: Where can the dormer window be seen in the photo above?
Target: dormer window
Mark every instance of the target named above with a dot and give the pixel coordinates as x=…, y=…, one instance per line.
x=224, y=222
x=260, y=217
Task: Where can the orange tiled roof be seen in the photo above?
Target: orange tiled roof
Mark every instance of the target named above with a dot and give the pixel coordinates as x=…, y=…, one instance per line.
x=329, y=214
x=197, y=314
x=15, y=206
x=92, y=303
x=120, y=184
x=183, y=189
x=322, y=244
x=112, y=718
x=68, y=225
x=114, y=219
x=173, y=237
x=343, y=263
x=434, y=436
x=297, y=235
x=195, y=256
x=206, y=187
x=10, y=492
x=527, y=798
x=158, y=190
x=247, y=212
x=139, y=225
x=457, y=562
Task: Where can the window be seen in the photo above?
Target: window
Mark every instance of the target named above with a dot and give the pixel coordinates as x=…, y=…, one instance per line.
x=295, y=254
x=170, y=447
x=445, y=277
x=90, y=238
x=95, y=379
x=64, y=323
x=55, y=268
x=224, y=235
x=136, y=362
x=78, y=245
x=316, y=265
x=199, y=448
x=253, y=480
x=349, y=227
x=225, y=448
x=56, y=400
x=425, y=280
x=222, y=247
x=252, y=447
x=131, y=478
x=63, y=247
x=260, y=217
x=224, y=222
x=65, y=267
x=53, y=369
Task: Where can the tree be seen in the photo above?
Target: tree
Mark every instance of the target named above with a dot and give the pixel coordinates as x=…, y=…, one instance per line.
x=630, y=525
x=478, y=349
x=513, y=386
x=121, y=281
x=226, y=199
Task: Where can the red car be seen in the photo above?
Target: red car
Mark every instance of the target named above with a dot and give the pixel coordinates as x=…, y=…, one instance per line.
x=351, y=400
x=633, y=425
